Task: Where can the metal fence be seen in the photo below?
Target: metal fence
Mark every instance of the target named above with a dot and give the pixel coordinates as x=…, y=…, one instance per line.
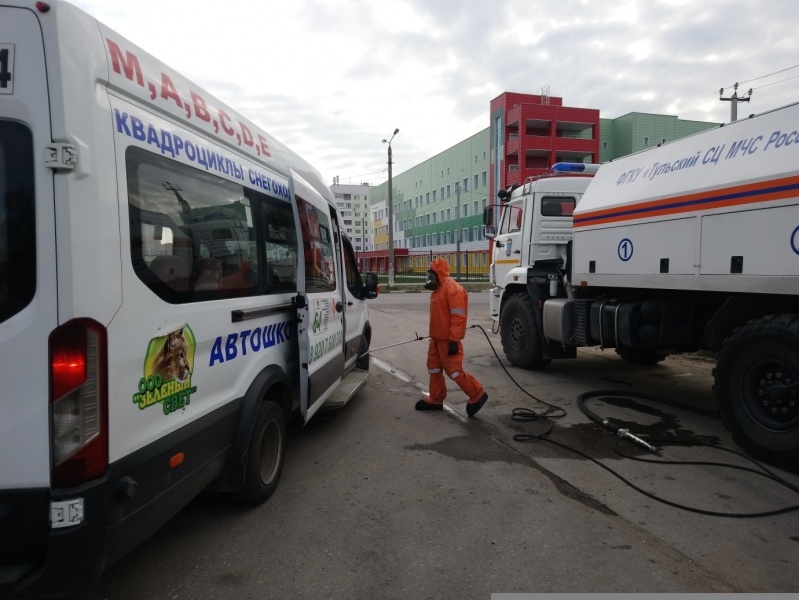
x=412, y=267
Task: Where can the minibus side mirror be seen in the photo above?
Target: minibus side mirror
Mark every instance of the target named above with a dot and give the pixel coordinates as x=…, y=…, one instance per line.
x=372, y=287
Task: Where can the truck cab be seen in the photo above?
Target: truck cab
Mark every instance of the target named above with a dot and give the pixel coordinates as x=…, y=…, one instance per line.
x=534, y=229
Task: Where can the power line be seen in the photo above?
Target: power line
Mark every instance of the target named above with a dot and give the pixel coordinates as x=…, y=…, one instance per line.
x=761, y=77
x=770, y=74
x=350, y=177
x=776, y=82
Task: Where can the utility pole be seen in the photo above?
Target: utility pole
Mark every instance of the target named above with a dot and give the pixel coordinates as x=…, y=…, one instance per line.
x=734, y=100
x=457, y=231
x=390, y=214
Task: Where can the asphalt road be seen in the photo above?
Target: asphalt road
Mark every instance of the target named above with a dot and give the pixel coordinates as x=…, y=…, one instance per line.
x=378, y=500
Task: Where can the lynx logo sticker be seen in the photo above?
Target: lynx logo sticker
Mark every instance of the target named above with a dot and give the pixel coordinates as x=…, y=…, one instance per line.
x=168, y=366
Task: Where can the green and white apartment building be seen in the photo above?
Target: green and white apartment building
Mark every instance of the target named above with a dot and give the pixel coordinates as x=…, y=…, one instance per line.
x=438, y=204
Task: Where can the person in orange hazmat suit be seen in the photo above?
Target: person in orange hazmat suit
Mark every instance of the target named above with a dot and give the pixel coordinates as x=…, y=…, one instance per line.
x=449, y=305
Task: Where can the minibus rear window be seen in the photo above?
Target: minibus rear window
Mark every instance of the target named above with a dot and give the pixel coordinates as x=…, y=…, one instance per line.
x=17, y=219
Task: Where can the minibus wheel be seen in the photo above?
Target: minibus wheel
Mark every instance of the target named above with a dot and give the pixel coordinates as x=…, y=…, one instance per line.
x=265, y=455
x=363, y=355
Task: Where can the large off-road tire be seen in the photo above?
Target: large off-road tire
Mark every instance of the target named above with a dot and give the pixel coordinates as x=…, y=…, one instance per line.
x=757, y=388
x=265, y=455
x=641, y=357
x=519, y=333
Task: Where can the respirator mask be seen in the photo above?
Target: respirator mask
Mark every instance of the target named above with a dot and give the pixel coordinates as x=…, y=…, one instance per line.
x=432, y=280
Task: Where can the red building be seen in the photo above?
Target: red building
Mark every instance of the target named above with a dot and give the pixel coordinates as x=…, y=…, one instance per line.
x=531, y=133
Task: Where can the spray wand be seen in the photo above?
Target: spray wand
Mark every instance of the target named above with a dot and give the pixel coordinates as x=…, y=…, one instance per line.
x=416, y=339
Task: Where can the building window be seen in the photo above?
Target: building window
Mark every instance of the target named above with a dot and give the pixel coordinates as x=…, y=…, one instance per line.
x=448, y=192
x=466, y=185
x=604, y=145
x=485, y=178
x=646, y=140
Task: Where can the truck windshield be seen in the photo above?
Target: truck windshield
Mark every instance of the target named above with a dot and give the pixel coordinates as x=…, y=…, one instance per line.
x=17, y=219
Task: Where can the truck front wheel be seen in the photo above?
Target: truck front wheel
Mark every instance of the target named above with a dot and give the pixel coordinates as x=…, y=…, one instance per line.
x=519, y=333
x=757, y=388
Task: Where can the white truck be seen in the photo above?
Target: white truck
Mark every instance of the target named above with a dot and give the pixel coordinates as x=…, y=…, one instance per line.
x=690, y=245
x=175, y=284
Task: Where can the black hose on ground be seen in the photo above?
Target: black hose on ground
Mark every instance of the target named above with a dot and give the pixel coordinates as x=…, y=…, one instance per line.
x=527, y=415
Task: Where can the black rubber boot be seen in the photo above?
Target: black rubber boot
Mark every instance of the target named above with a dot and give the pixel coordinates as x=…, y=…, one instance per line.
x=423, y=405
x=471, y=409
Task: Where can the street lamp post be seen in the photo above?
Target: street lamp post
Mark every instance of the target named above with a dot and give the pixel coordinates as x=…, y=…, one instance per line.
x=390, y=214
x=457, y=231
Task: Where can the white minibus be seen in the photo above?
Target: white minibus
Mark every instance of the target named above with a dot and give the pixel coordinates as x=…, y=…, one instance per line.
x=175, y=285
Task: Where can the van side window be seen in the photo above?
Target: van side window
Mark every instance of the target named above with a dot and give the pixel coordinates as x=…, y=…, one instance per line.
x=280, y=245
x=351, y=272
x=17, y=219
x=317, y=242
x=194, y=235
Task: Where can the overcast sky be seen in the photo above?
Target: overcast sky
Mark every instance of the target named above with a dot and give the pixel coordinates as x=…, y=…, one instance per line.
x=332, y=78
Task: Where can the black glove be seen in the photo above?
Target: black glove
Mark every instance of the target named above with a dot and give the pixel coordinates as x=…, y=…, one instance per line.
x=453, y=348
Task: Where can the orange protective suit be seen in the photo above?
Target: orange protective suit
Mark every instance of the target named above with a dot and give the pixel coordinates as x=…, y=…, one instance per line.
x=449, y=307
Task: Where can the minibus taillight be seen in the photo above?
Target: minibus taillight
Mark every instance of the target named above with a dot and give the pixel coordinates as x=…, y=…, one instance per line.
x=79, y=402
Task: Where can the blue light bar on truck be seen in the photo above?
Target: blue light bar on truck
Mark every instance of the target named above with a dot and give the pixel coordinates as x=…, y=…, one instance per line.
x=585, y=168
